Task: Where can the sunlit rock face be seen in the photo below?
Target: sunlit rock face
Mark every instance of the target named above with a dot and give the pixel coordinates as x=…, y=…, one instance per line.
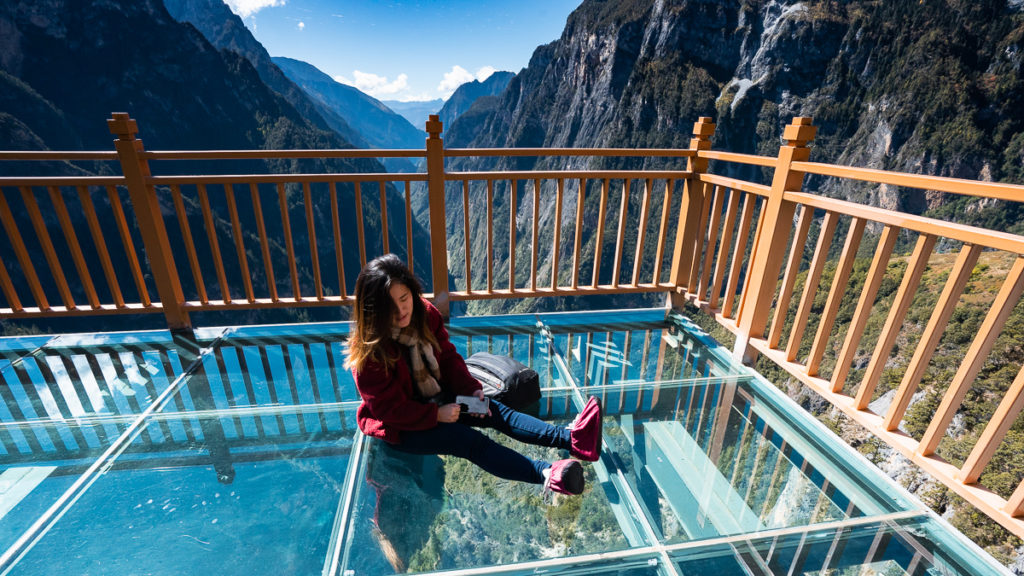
x=894, y=85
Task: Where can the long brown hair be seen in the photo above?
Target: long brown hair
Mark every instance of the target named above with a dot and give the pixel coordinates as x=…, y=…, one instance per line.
x=375, y=311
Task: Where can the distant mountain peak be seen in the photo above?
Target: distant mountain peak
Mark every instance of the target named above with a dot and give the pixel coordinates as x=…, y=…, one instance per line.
x=464, y=96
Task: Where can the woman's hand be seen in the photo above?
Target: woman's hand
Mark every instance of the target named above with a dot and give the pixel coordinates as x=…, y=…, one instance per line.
x=448, y=413
x=480, y=394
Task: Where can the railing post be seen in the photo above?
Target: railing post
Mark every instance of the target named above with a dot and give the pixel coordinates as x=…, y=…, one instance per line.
x=136, y=172
x=438, y=231
x=771, y=239
x=690, y=204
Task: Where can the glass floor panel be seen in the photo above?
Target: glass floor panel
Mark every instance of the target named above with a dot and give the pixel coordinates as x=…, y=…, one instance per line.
x=183, y=497
x=425, y=513
x=236, y=451
x=894, y=547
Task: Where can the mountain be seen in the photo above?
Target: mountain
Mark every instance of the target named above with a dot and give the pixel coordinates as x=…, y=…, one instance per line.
x=380, y=126
x=64, y=69
x=417, y=111
x=465, y=95
x=226, y=31
x=900, y=85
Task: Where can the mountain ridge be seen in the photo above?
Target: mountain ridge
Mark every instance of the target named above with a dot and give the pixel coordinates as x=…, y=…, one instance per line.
x=379, y=126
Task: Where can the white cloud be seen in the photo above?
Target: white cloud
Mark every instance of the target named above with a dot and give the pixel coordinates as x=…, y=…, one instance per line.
x=485, y=73
x=459, y=76
x=452, y=80
x=302, y=25
x=375, y=85
x=246, y=8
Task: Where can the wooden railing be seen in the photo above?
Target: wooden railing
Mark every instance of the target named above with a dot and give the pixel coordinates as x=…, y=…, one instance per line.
x=735, y=248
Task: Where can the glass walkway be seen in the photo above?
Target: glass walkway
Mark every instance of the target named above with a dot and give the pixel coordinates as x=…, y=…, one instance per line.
x=236, y=452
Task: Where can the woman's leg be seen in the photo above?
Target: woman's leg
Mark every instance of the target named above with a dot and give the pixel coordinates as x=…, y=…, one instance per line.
x=460, y=440
x=522, y=427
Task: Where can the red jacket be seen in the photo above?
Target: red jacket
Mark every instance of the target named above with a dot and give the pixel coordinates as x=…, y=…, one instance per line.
x=388, y=405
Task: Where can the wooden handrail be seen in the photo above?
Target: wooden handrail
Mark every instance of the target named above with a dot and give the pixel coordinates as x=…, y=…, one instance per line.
x=616, y=152
x=996, y=190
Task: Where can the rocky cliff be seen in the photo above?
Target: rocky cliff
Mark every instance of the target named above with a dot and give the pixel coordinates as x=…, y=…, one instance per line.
x=902, y=85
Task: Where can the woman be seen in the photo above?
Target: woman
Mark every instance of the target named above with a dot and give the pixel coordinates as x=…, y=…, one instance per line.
x=408, y=375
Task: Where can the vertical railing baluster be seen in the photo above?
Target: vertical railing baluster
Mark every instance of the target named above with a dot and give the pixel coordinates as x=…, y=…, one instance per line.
x=990, y=329
x=598, y=243
x=384, y=217
x=709, y=253
x=738, y=254
x=645, y=202
x=723, y=248
x=663, y=234
x=490, y=236
x=994, y=432
x=533, y=244
x=512, y=235
x=408, y=225
x=465, y=232
x=700, y=243
x=76, y=250
x=796, y=256
x=876, y=273
x=620, y=237
x=577, y=262
x=894, y=321
x=307, y=199
x=360, y=232
x=190, y=248
x=556, y=242
x=948, y=299
x=36, y=217
x=236, y=231
x=835, y=294
x=261, y=229
x=211, y=235
x=336, y=229
x=8, y=289
x=101, y=245
x=286, y=224
x=796, y=335
x=129, y=245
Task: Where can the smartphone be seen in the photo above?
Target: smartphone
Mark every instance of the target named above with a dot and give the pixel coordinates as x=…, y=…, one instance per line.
x=473, y=405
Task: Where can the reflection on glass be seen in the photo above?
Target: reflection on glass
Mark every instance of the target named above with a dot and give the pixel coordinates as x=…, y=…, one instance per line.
x=297, y=370
x=423, y=513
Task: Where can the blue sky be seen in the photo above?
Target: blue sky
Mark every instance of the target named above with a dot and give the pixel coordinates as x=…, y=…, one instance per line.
x=406, y=50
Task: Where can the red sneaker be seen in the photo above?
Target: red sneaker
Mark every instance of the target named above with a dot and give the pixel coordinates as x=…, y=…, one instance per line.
x=585, y=432
x=565, y=477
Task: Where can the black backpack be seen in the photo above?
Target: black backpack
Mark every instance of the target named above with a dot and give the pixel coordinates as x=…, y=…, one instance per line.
x=505, y=379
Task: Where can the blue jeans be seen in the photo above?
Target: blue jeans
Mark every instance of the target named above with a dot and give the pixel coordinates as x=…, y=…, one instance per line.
x=462, y=440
